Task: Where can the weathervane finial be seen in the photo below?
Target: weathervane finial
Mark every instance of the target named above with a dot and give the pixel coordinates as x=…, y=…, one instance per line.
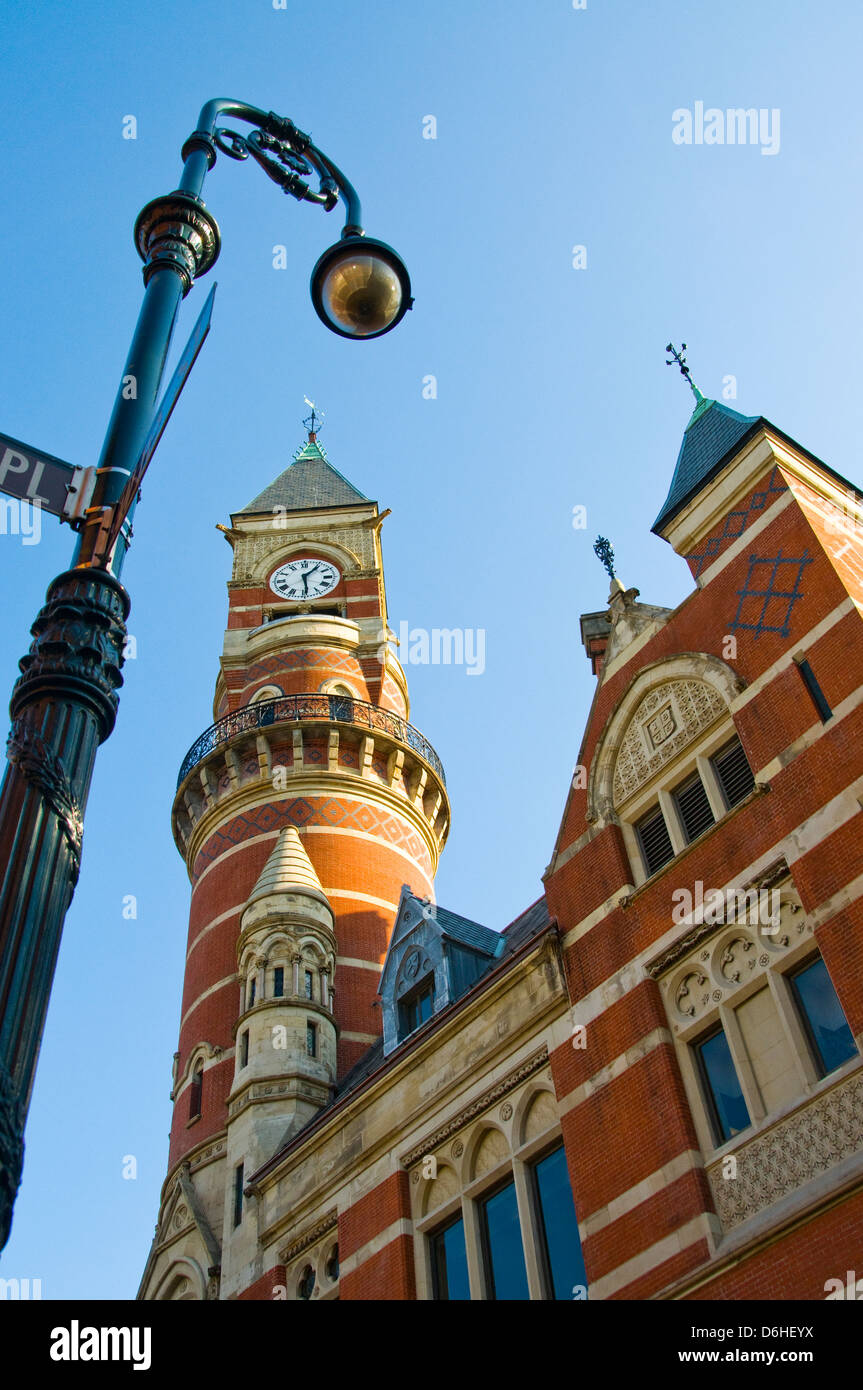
x=605, y=553
x=680, y=359
x=314, y=421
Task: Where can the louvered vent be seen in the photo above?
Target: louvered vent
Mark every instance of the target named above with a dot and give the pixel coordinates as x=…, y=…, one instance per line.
x=655, y=843
x=734, y=772
x=694, y=807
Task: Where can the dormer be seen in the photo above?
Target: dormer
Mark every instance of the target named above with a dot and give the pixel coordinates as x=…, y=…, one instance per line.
x=434, y=957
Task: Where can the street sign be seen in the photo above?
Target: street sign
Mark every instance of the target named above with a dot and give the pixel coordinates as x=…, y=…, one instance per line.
x=32, y=476
x=161, y=418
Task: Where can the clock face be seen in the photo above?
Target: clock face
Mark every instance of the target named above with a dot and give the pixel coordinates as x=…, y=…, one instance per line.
x=302, y=579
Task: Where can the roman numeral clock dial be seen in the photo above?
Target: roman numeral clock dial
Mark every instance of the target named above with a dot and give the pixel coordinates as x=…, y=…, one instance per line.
x=304, y=579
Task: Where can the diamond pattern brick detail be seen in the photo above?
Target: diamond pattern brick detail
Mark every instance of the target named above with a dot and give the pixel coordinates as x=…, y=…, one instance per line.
x=735, y=523
x=306, y=811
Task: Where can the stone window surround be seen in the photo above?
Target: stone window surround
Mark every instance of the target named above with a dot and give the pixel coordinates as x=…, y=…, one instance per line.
x=318, y=1256
x=467, y=1202
x=295, y=959
x=782, y=962
x=695, y=758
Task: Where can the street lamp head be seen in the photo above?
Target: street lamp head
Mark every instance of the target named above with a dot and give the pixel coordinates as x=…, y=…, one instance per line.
x=360, y=287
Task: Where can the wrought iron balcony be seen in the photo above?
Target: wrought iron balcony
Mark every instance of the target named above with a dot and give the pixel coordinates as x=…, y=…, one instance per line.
x=338, y=709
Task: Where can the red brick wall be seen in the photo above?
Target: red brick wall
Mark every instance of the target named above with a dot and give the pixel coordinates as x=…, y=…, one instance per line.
x=638, y=1121
x=388, y=1274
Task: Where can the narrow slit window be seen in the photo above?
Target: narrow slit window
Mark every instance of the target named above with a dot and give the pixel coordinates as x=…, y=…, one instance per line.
x=819, y=699
x=196, y=1092
x=238, y=1194
x=279, y=982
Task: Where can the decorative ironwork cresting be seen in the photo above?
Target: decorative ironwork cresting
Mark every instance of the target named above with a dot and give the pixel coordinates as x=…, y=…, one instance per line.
x=338, y=709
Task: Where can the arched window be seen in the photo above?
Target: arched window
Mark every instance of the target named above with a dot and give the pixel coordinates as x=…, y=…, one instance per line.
x=669, y=764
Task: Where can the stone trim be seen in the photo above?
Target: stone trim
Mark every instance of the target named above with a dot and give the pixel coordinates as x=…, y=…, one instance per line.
x=818, y=1135
x=775, y=873
x=327, y=1222
x=495, y=1093
x=689, y=1161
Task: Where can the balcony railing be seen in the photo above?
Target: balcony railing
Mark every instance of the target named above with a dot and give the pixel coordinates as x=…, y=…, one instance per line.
x=338, y=709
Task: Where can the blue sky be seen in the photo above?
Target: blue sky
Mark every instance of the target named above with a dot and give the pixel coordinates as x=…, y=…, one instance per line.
x=554, y=130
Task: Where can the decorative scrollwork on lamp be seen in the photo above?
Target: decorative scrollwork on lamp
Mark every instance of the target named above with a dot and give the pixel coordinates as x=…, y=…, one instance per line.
x=282, y=160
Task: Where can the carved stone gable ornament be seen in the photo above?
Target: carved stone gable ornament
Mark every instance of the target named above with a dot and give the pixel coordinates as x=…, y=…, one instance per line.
x=669, y=718
x=661, y=726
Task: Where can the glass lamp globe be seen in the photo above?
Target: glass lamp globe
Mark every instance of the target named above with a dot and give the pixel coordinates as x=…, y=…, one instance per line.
x=360, y=288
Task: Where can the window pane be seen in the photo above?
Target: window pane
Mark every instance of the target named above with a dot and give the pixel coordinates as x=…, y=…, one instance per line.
x=560, y=1227
x=425, y=1005
x=238, y=1194
x=449, y=1263
x=694, y=807
x=279, y=982
x=730, y=1114
x=655, y=843
x=507, y=1276
x=822, y=1011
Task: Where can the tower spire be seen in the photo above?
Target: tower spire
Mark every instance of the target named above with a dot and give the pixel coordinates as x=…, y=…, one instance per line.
x=680, y=359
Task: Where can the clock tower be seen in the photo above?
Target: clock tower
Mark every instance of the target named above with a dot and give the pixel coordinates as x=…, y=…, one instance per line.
x=301, y=813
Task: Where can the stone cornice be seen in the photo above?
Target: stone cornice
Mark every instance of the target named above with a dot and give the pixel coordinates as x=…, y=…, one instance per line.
x=327, y=1222
x=311, y=782
x=775, y=873
x=476, y=1107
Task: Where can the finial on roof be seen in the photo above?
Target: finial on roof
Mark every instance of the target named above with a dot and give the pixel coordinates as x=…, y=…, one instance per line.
x=604, y=552
x=314, y=421
x=680, y=359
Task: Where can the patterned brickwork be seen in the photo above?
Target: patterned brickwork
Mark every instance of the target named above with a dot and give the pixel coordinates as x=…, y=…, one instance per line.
x=734, y=523
x=306, y=811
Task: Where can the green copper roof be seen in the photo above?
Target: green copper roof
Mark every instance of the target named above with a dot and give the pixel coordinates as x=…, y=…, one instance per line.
x=713, y=432
x=309, y=482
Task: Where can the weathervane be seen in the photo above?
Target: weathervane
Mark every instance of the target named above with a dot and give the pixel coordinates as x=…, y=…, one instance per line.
x=605, y=553
x=679, y=358
x=314, y=421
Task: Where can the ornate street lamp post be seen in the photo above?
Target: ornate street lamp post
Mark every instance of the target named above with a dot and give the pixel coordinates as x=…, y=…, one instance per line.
x=65, y=701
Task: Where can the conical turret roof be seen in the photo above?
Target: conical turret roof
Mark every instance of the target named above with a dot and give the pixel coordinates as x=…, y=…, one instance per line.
x=288, y=870
x=309, y=482
x=714, y=431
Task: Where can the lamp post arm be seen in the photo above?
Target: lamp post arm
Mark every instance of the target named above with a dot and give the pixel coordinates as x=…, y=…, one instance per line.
x=199, y=152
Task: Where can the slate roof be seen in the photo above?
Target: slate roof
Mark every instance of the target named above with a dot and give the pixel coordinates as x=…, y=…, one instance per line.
x=713, y=432
x=468, y=933
x=309, y=482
